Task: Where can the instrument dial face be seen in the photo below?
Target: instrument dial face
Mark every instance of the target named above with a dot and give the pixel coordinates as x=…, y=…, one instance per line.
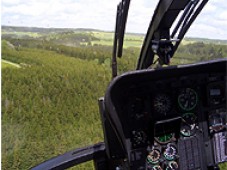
x=162, y=103
x=170, y=152
x=187, y=99
x=166, y=138
x=188, y=124
x=139, y=138
x=153, y=156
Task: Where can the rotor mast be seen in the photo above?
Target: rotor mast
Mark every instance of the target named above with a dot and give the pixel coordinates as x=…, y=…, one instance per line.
x=159, y=40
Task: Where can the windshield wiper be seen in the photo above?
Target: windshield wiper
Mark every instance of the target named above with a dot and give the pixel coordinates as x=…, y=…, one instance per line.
x=121, y=19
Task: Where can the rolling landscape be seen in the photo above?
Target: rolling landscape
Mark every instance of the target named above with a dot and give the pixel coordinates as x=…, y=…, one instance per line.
x=52, y=80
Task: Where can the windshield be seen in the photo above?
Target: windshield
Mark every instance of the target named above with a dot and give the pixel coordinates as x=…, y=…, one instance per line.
x=56, y=58
x=209, y=36
x=203, y=41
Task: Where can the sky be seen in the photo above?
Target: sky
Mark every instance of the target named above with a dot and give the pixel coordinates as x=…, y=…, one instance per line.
x=101, y=14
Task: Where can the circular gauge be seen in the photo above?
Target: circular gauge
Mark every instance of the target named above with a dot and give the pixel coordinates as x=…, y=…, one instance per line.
x=166, y=138
x=172, y=166
x=138, y=138
x=187, y=99
x=153, y=156
x=170, y=152
x=162, y=103
x=188, y=124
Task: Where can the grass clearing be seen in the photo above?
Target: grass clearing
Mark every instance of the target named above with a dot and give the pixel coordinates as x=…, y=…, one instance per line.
x=23, y=34
x=106, y=38
x=6, y=64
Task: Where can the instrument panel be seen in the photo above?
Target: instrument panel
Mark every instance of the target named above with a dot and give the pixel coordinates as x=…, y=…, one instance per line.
x=174, y=120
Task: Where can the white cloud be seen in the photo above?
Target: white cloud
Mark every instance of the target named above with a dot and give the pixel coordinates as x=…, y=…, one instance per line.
x=223, y=16
x=220, y=4
x=212, y=22
x=57, y=13
x=100, y=14
x=140, y=15
x=28, y=8
x=10, y=2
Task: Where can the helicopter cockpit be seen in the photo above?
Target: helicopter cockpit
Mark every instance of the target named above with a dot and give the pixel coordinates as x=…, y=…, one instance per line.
x=171, y=118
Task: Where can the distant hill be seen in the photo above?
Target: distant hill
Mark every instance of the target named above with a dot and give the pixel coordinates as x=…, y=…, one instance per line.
x=107, y=37
x=45, y=30
x=207, y=41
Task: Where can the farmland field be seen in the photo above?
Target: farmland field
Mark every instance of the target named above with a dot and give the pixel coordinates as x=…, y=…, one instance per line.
x=49, y=104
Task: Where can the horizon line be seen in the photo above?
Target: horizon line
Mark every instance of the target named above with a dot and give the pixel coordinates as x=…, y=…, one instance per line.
x=2, y=25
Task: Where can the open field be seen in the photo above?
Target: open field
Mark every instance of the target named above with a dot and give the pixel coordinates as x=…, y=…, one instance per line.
x=106, y=38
